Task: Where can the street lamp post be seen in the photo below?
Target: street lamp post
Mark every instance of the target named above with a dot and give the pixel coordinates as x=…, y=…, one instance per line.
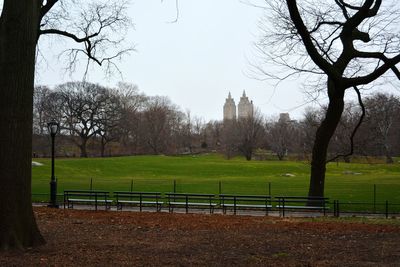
x=53, y=128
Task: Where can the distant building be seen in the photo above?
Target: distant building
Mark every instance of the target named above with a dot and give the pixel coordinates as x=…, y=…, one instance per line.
x=229, y=108
x=245, y=108
x=284, y=118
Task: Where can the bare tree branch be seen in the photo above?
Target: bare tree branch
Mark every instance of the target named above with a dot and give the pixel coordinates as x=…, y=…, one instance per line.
x=360, y=102
x=47, y=7
x=306, y=37
x=99, y=27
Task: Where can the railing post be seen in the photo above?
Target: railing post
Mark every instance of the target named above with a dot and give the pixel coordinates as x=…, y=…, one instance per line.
x=374, y=198
x=211, y=210
x=269, y=188
x=95, y=201
x=234, y=205
x=169, y=203
x=283, y=206
x=387, y=209
x=140, y=201
x=219, y=191
x=187, y=204
x=336, y=208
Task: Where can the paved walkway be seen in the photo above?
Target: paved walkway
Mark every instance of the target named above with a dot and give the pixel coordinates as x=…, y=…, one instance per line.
x=274, y=213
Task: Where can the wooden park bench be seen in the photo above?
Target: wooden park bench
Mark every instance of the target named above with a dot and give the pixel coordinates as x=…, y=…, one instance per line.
x=301, y=203
x=140, y=199
x=245, y=202
x=187, y=200
x=91, y=197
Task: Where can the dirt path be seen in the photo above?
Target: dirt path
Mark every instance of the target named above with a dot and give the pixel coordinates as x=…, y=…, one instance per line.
x=88, y=238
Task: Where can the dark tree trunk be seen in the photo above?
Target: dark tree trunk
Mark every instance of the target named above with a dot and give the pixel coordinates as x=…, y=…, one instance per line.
x=323, y=136
x=103, y=148
x=248, y=156
x=249, y=153
x=389, y=159
x=103, y=144
x=18, y=37
x=347, y=159
x=83, y=149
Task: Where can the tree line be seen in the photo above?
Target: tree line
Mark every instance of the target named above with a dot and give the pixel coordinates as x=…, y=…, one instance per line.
x=100, y=121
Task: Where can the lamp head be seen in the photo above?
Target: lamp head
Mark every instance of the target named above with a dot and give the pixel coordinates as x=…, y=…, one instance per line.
x=53, y=127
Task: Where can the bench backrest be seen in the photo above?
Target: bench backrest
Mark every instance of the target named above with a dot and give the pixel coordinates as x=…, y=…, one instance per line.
x=244, y=198
x=189, y=196
x=313, y=201
x=136, y=195
x=86, y=194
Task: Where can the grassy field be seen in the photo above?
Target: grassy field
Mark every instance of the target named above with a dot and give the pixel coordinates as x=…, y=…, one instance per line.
x=204, y=173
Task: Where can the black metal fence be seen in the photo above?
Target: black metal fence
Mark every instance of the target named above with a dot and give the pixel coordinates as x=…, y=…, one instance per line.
x=374, y=201
x=336, y=208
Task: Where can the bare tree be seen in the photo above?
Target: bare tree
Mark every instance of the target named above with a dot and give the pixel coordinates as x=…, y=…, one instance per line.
x=350, y=43
x=212, y=135
x=229, y=138
x=190, y=132
x=132, y=106
x=108, y=119
x=282, y=136
x=40, y=106
x=382, y=110
x=82, y=107
x=22, y=23
x=344, y=136
x=308, y=127
x=250, y=131
x=157, y=118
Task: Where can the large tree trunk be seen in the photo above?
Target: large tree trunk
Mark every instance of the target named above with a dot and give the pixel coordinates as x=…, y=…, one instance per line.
x=18, y=37
x=322, y=138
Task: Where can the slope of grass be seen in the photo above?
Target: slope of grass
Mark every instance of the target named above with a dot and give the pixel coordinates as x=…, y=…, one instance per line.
x=204, y=173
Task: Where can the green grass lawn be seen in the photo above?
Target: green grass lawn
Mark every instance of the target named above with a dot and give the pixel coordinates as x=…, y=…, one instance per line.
x=203, y=173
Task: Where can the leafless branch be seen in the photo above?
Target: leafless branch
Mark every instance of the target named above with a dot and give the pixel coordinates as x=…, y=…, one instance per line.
x=360, y=102
x=100, y=28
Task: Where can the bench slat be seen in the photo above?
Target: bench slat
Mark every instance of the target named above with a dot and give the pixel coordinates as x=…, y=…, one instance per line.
x=193, y=203
x=89, y=200
x=245, y=205
x=302, y=207
x=140, y=202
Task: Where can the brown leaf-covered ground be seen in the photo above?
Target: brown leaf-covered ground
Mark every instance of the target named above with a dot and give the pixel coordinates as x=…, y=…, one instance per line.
x=100, y=238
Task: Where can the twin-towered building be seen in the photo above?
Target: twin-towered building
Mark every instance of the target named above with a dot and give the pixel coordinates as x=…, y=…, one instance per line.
x=245, y=108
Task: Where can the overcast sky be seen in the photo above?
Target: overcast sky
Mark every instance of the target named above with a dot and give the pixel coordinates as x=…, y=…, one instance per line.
x=195, y=61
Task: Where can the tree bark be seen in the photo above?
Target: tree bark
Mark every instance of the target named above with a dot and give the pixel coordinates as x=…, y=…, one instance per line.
x=82, y=147
x=323, y=135
x=18, y=37
x=249, y=156
x=389, y=159
x=103, y=149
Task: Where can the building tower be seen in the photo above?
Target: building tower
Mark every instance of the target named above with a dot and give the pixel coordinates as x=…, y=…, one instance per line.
x=245, y=107
x=229, y=108
x=284, y=118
